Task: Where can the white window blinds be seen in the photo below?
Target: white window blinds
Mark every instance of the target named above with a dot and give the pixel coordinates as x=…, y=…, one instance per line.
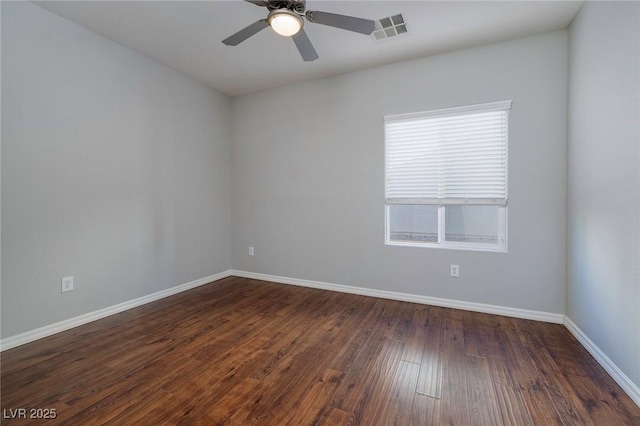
x=449, y=156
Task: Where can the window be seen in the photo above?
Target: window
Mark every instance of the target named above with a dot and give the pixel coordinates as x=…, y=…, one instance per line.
x=446, y=177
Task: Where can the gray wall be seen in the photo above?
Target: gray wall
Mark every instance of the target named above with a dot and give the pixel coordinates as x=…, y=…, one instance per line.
x=603, y=291
x=308, y=167
x=115, y=170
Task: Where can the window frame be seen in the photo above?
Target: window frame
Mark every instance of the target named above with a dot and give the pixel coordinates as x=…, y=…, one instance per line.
x=501, y=246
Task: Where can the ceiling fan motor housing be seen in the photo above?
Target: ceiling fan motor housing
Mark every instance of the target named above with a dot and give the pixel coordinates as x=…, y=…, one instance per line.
x=297, y=6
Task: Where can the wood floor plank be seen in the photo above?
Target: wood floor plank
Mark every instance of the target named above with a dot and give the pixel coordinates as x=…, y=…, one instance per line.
x=431, y=360
x=567, y=403
x=354, y=391
x=425, y=411
x=241, y=352
x=374, y=400
x=601, y=408
x=574, y=359
x=333, y=417
x=417, y=335
x=526, y=376
x=358, y=339
x=309, y=410
x=483, y=408
x=455, y=405
x=473, y=342
x=398, y=388
x=511, y=406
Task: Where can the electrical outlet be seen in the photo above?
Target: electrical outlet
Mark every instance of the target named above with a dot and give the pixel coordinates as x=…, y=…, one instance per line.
x=250, y=251
x=454, y=271
x=67, y=284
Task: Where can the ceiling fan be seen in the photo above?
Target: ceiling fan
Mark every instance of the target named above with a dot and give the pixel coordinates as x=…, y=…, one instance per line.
x=286, y=18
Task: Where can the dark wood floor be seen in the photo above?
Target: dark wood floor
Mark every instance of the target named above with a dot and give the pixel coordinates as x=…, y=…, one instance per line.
x=245, y=352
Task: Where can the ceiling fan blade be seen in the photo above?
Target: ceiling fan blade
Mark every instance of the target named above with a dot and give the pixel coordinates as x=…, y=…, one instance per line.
x=245, y=33
x=304, y=46
x=350, y=23
x=262, y=3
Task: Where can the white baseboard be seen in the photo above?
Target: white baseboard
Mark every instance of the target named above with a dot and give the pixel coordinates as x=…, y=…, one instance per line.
x=39, y=333
x=622, y=379
x=406, y=297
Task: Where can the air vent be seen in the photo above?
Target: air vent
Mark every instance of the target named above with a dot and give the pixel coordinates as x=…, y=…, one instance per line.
x=390, y=26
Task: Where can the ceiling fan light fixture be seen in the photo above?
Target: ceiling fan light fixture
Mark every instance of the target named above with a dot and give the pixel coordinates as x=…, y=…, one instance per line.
x=285, y=22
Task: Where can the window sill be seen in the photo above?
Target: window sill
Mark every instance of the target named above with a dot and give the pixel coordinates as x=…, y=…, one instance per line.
x=450, y=246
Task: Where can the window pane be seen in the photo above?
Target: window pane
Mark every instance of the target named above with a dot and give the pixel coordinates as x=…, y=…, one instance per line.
x=413, y=223
x=471, y=224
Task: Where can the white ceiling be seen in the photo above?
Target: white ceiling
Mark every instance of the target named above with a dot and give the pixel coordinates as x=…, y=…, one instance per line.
x=186, y=35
